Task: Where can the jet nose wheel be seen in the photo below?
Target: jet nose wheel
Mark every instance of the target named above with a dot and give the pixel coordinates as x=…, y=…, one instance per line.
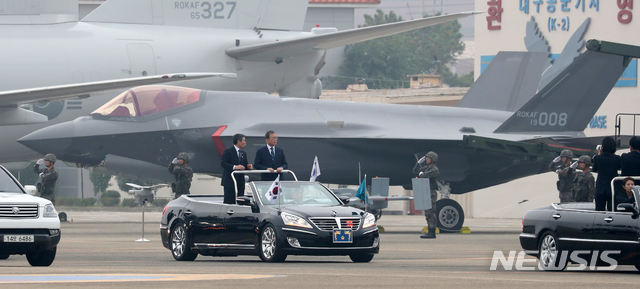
x=450, y=215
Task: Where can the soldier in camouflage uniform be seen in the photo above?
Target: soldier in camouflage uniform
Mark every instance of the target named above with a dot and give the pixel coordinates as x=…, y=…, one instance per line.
x=584, y=184
x=183, y=173
x=566, y=171
x=426, y=168
x=47, y=178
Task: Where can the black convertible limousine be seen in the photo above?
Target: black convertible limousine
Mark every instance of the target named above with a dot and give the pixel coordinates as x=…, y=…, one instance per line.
x=554, y=232
x=308, y=219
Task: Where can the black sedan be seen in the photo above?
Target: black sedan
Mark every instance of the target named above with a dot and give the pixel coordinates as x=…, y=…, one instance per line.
x=577, y=233
x=307, y=219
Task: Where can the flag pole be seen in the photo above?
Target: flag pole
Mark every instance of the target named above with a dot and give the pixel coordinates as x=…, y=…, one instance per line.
x=366, y=198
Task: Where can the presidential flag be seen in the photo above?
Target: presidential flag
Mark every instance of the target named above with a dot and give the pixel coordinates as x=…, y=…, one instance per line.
x=274, y=191
x=362, y=191
x=315, y=170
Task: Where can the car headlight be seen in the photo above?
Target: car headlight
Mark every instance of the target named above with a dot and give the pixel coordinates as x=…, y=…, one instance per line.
x=50, y=211
x=293, y=220
x=369, y=221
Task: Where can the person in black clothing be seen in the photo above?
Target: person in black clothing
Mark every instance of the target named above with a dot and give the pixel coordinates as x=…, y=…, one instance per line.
x=606, y=164
x=630, y=162
x=234, y=159
x=627, y=195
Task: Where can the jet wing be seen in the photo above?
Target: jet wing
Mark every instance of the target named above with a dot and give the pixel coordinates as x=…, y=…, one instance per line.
x=50, y=93
x=299, y=46
x=11, y=114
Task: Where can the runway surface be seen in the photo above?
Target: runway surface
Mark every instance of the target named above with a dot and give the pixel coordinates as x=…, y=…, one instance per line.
x=98, y=250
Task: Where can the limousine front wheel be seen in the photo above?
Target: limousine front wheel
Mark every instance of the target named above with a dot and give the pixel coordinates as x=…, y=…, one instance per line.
x=549, y=253
x=270, y=250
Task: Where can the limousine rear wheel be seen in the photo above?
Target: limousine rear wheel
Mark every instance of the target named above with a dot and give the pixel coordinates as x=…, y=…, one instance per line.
x=270, y=250
x=549, y=253
x=181, y=243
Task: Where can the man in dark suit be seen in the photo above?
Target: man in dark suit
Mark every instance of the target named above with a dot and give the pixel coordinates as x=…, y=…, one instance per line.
x=630, y=162
x=234, y=159
x=270, y=157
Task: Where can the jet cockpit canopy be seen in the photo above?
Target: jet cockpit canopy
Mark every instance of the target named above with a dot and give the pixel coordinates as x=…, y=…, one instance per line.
x=148, y=100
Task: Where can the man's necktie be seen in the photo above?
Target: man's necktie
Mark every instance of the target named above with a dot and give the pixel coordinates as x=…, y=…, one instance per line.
x=273, y=156
x=240, y=156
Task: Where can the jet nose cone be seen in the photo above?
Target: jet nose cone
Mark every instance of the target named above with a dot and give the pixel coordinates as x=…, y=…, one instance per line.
x=53, y=139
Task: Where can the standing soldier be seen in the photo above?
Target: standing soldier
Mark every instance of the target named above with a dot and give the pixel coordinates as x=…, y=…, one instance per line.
x=566, y=170
x=431, y=172
x=584, y=185
x=48, y=177
x=183, y=174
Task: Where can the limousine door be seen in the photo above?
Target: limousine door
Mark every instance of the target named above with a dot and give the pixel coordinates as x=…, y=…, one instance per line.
x=574, y=228
x=240, y=223
x=205, y=222
x=617, y=231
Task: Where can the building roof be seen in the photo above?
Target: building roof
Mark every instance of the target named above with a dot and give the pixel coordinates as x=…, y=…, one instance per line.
x=360, y=2
x=375, y=2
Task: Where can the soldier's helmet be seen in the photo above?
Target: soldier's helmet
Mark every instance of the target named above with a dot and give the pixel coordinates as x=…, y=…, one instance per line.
x=567, y=153
x=50, y=157
x=184, y=156
x=585, y=159
x=433, y=156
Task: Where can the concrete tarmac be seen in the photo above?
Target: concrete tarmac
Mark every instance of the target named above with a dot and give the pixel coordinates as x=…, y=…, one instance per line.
x=98, y=250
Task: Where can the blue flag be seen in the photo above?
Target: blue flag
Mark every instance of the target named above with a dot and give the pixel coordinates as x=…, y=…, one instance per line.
x=362, y=191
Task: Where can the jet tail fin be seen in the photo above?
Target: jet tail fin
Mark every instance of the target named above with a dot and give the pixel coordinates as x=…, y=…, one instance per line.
x=245, y=14
x=518, y=74
x=572, y=98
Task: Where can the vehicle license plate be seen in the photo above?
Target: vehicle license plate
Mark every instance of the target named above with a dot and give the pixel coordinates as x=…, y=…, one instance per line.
x=342, y=236
x=18, y=238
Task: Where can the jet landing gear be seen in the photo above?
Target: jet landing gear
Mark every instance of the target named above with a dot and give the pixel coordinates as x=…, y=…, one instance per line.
x=450, y=214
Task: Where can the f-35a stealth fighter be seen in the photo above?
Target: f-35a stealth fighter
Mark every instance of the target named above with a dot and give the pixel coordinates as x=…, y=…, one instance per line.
x=140, y=131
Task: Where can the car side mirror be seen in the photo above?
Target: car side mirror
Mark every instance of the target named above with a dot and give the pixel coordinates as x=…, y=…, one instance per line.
x=31, y=190
x=244, y=201
x=627, y=207
x=345, y=200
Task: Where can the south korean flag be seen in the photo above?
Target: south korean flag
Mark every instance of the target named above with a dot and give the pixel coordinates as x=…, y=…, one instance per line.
x=274, y=191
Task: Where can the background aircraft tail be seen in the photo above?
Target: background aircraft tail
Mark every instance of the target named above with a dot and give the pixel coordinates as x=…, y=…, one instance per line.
x=572, y=98
x=518, y=74
x=15, y=12
x=245, y=14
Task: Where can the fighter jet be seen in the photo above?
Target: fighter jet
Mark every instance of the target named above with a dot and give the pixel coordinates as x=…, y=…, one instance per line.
x=141, y=130
x=149, y=125
x=44, y=45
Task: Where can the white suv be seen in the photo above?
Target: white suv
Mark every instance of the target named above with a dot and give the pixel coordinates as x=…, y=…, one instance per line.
x=28, y=224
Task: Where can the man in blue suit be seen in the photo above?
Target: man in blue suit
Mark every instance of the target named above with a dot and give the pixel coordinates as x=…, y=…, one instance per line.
x=234, y=159
x=270, y=157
